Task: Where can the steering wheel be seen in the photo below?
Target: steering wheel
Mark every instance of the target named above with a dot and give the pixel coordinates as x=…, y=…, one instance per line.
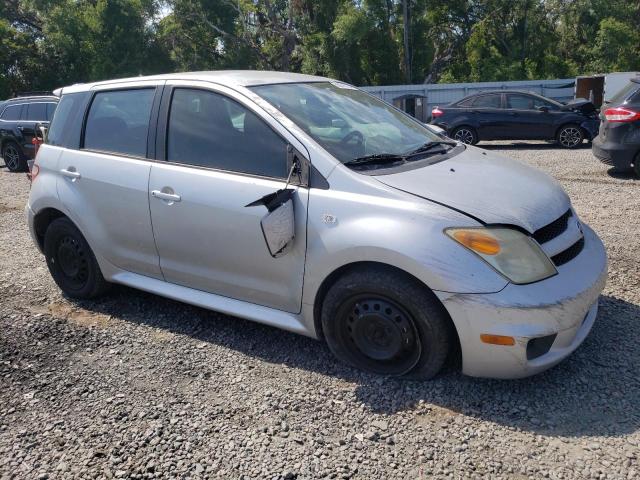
x=353, y=134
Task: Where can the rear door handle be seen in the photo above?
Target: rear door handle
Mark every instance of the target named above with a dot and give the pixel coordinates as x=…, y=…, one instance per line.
x=171, y=197
x=70, y=174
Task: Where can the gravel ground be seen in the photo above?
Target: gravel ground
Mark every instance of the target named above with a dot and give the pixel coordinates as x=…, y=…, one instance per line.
x=137, y=386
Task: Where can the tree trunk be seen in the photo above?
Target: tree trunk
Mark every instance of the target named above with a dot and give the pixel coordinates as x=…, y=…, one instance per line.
x=407, y=54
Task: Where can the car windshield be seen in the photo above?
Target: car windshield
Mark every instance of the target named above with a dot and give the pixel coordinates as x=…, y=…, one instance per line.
x=347, y=122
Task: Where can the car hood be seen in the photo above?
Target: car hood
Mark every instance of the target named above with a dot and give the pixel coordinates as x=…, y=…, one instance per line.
x=581, y=105
x=492, y=188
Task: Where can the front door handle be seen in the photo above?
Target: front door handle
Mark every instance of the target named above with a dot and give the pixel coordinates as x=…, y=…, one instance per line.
x=170, y=197
x=72, y=174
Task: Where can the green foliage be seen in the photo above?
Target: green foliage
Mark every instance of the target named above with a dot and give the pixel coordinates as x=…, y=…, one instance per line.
x=48, y=43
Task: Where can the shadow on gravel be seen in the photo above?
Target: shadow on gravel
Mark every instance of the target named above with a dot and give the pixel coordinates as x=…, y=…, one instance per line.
x=595, y=392
x=527, y=146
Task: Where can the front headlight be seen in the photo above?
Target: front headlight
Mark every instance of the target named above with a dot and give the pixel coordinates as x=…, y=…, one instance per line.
x=512, y=253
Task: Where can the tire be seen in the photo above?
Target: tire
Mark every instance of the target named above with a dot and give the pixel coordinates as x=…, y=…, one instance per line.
x=465, y=134
x=379, y=320
x=71, y=262
x=570, y=136
x=14, y=158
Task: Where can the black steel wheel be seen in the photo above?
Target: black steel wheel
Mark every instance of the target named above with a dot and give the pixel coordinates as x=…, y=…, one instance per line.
x=381, y=321
x=383, y=334
x=71, y=261
x=570, y=136
x=13, y=157
x=465, y=135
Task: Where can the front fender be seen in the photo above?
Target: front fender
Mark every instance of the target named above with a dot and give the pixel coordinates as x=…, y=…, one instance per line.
x=346, y=228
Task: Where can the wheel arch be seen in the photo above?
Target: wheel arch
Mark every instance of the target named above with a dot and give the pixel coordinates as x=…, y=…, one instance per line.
x=332, y=277
x=43, y=219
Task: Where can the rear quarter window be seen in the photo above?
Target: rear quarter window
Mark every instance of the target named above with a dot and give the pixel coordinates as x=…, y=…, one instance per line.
x=12, y=112
x=66, y=124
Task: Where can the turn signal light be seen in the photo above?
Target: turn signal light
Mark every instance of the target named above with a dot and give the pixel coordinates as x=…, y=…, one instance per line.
x=497, y=339
x=478, y=241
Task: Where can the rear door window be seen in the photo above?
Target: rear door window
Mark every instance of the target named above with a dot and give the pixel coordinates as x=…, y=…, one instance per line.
x=12, y=112
x=488, y=101
x=118, y=122
x=520, y=102
x=37, y=112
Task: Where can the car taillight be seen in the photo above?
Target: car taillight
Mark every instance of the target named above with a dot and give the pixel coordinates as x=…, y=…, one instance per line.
x=621, y=114
x=436, y=112
x=36, y=142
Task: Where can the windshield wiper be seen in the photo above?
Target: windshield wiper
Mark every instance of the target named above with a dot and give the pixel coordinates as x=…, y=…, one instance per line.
x=377, y=158
x=430, y=146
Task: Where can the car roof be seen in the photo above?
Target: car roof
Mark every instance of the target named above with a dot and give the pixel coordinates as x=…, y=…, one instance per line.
x=231, y=78
x=523, y=92
x=27, y=99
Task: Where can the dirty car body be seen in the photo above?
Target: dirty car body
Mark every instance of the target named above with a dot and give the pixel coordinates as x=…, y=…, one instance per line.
x=491, y=247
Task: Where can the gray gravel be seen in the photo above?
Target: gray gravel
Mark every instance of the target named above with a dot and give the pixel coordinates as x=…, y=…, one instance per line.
x=137, y=386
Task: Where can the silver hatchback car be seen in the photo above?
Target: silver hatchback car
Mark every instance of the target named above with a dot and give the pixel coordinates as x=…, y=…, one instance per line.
x=304, y=203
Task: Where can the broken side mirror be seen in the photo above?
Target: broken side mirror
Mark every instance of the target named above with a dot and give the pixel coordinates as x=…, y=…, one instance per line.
x=278, y=225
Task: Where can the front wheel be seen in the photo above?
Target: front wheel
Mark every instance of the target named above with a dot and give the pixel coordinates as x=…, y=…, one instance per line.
x=465, y=135
x=71, y=261
x=381, y=321
x=570, y=136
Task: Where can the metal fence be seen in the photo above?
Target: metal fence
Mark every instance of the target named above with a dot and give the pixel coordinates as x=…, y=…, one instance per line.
x=442, y=94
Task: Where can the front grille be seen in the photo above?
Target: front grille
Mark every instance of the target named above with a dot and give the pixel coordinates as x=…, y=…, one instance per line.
x=569, y=254
x=554, y=229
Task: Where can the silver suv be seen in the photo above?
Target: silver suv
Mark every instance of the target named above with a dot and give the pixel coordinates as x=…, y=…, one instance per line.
x=307, y=204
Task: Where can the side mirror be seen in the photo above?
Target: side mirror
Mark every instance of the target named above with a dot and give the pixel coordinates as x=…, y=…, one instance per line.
x=543, y=108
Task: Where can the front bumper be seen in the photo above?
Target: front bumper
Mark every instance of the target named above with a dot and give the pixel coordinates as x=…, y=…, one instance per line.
x=565, y=305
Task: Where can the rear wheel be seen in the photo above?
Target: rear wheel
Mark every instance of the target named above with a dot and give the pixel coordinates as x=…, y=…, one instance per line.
x=381, y=321
x=71, y=261
x=13, y=157
x=570, y=136
x=636, y=165
x=465, y=134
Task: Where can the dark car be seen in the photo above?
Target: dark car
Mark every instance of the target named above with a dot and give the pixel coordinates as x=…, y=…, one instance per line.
x=515, y=115
x=20, y=119
x=618, y=143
